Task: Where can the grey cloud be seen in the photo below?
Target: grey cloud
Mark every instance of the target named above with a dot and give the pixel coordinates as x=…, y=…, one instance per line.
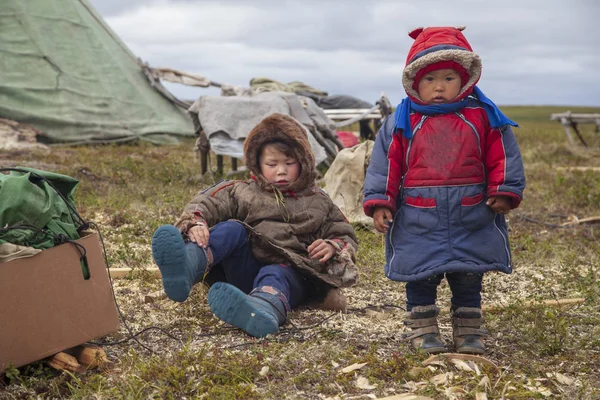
x=533, y=51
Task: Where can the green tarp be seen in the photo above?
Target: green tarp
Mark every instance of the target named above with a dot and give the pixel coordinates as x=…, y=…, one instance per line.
x=64, y=71
x=25, y=198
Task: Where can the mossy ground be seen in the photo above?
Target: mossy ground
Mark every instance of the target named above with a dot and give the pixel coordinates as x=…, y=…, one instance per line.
x=541, y=351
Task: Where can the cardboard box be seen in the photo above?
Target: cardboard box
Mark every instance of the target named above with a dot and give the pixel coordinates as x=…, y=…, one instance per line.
x=47, y=306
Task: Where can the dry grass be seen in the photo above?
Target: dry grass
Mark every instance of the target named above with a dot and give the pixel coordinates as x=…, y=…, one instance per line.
x=541, y=351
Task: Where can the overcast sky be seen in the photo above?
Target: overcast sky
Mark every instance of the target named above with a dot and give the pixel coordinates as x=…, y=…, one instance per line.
x=533, y=51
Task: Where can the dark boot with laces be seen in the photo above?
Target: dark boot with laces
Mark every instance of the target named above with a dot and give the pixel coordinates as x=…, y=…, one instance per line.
x=466, y=330
x=425, y=334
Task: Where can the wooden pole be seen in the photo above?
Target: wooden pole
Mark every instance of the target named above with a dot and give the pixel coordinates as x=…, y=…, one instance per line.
x=89, y=356
x=65, y=362
x=494, y=308
x=123, y=272
x=574, y=126
x=219, y=164
x=565, y=123
x=531, y=304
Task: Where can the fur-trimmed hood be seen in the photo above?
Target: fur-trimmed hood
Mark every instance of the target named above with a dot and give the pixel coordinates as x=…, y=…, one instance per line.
x=288, y=130
x=436, y=45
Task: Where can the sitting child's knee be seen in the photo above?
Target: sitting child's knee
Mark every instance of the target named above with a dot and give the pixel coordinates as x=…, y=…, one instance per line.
x=234, y=228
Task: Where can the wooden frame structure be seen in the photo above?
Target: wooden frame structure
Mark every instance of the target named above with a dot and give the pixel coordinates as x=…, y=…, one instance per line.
x=344, y=117
x=571, y=120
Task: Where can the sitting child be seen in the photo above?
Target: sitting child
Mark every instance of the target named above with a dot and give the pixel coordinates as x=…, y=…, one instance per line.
x=271, y=243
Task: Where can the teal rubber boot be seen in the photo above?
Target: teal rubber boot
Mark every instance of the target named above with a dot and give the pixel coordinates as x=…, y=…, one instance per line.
x=181, y=264
x=259, y=314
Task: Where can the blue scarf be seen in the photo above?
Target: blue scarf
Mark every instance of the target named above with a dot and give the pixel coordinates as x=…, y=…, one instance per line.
x=402, y=116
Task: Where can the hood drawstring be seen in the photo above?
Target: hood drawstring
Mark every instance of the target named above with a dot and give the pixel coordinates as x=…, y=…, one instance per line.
x=281, y=203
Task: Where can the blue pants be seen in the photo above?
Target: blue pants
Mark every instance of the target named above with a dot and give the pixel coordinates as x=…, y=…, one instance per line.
x=234, y=263
x=466, y=290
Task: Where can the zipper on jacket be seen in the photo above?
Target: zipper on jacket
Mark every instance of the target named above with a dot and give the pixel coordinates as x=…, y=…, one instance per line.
x=391, y=228
x=419, y=125
x=466, y=121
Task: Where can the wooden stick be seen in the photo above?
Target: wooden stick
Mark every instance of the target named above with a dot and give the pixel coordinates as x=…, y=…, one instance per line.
x=350, y=111
x=576, y=116
x=577, y=221
x=574, y=126
x=492, y=308
x=89, y=356
x=65, y=362
x=567, y=127
x=123, y=272
x=460, y=356
x=530, y=304
x=595, y=169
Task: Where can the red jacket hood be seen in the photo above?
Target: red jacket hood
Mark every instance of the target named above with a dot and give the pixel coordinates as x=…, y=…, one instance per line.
x=438, y=45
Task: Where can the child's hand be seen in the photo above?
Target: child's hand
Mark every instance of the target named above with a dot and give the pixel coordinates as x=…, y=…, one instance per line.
x=500, y=204
x=321, y=249
x=381, y=218
x=199, y=235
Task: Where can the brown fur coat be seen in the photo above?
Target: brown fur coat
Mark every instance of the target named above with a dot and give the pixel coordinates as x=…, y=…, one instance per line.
x=281, y=231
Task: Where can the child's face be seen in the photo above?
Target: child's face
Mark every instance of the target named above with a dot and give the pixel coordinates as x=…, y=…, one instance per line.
x=439, y=86
x=278, y=168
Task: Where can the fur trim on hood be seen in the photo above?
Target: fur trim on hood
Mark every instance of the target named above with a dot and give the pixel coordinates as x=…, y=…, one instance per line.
x=437, y=44
x=288, y=130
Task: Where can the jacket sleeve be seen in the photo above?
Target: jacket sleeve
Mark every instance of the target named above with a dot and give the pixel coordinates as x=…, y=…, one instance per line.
x=337, y=231
x=504, y=166
x=211, y=206
x=384, y=174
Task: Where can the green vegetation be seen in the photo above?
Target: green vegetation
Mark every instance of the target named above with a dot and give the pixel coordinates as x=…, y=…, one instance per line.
x=541, y=350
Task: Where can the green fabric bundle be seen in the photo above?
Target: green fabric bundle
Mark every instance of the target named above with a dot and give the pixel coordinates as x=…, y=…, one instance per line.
x=27, y=199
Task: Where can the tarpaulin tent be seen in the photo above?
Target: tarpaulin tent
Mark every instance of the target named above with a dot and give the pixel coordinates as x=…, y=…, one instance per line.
x=64, y=71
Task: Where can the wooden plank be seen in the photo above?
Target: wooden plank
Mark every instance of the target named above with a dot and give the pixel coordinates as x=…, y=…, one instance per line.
x=219, y=164
x=594, y=169
x=123, y=272
x=577, y=221
x=494, y=308
x=89, y=356
x=532, y=304
x=565, y=123
x=574, y=126
x=349, y=111
x=569, y=114
x=65, y=362
x=348, y=116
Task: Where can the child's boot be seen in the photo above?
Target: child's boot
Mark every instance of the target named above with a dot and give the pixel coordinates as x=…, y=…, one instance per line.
x=181, y=265
x=466, y=330
x=425, y=335
x=260, y=313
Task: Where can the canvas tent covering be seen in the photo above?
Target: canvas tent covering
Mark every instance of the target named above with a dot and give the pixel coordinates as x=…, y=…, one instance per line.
x=64, y=71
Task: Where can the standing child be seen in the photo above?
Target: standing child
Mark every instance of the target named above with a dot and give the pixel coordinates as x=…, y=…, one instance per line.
x=444, y=171
x=272, y=242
